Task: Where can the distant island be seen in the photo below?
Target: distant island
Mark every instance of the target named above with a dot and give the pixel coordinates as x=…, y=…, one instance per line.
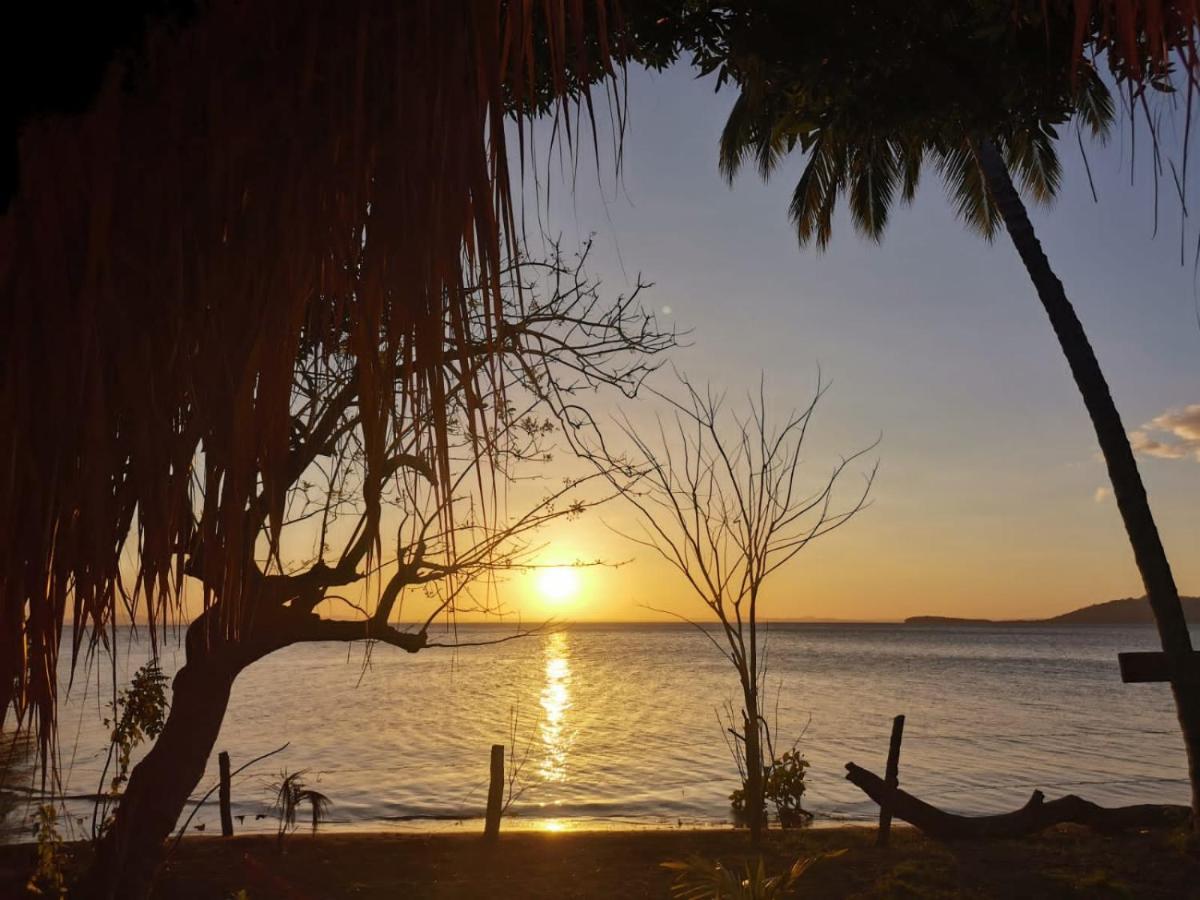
x=1126, y=611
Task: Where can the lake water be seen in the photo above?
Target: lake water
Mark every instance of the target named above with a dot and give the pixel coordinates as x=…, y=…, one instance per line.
x=617, y=725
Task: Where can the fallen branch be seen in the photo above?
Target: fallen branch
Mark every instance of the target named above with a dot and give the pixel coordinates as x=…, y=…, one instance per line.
x=1034, y=816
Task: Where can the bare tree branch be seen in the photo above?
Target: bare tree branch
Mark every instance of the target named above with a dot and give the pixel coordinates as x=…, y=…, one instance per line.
x=717, y=494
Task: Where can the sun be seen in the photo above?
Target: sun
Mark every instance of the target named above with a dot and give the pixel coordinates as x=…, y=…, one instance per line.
x=559, y=584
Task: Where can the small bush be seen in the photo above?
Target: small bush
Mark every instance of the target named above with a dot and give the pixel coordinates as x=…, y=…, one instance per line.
x=138, y=715
x=290, y=792
x=703, y=879
x=47, y=879
x=783, y=787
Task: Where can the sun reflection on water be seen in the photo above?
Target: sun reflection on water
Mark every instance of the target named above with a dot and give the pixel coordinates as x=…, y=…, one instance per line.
x=556, y=702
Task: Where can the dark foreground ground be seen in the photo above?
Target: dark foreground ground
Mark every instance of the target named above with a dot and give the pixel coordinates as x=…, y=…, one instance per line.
x=1062, y=863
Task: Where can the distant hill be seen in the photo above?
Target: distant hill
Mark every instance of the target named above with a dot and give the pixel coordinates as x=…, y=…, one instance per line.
x=1126, y=611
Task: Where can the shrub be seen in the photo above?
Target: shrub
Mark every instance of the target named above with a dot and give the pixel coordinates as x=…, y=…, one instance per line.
x=783, y=786
x=47, y=879
x=290, y=792
x=702, y=879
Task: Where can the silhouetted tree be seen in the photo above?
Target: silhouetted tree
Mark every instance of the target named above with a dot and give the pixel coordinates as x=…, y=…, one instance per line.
x=366, y=514
x=206, y=194
x=722, y=498
x=872, y=92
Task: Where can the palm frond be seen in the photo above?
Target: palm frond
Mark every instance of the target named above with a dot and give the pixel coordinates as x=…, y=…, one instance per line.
x=1094, y=103
x=910, y=155
x=874, y=171
x=697, y=878
x=319, y=804
x=737, y=137
x=817, y=191
x=967, y=187
x=1032, y=158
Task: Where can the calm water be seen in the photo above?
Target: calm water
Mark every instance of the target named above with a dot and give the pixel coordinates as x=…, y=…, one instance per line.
x=617, y=725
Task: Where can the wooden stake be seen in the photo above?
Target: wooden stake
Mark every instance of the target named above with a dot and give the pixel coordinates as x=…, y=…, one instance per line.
x=891, y=780
x=491, y=828
x=223, y=796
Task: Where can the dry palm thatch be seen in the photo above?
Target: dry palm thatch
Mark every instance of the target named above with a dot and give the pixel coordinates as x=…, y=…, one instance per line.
x=271, y=179
x=1141, y=36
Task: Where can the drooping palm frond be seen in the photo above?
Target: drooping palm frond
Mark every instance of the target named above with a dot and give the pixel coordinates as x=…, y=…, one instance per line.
x=1031, y=157
x=967, y=188
x=869, y=93
x=1094, y=104
x=1141, y=37
x=319, y=805
x=874, y=172
x=817, y=192
x=757, y=127
x=273, y=180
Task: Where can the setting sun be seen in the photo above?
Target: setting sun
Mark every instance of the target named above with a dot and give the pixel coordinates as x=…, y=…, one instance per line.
x=559, y=584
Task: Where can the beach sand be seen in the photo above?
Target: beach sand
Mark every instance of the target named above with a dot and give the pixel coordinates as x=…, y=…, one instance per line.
x=1065, y=862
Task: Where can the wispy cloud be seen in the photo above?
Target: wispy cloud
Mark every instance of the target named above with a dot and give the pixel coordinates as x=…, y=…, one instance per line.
x=1102, y=493
x=1173, y=435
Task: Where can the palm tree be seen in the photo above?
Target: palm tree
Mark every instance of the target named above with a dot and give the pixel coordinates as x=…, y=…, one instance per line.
x=872, y=95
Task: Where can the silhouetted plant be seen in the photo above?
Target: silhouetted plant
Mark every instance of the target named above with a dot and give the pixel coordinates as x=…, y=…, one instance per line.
x=702, y=879
x=515, y=784
x=138, y=714
x=291, y=793
x=783, y=787
x=721, y=498
x=48, y=879
x=373, y=537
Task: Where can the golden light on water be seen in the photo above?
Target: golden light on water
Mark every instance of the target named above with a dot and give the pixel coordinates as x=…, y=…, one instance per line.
x=558, y=585
x=556, y=704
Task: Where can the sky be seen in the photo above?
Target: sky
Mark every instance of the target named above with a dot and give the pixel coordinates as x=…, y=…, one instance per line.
x=991, y=499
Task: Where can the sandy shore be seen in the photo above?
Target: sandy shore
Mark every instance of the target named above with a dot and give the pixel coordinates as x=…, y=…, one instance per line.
x=1065, y=862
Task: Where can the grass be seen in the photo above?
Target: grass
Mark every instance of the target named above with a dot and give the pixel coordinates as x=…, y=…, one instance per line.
x=1064, y=862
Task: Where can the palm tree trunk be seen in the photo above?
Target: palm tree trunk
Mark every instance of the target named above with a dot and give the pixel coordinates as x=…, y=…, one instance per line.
x=1123, y=472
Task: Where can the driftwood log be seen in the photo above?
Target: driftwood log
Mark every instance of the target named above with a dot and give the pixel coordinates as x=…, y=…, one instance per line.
x=1034, y=816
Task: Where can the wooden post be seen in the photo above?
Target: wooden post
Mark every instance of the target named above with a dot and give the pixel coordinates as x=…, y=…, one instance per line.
x=892, y=780
x=491, y=829
x=223, y=796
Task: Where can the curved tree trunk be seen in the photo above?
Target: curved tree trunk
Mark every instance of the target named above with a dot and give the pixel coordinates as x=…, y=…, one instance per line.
x=159, y=786
x=1127, y=486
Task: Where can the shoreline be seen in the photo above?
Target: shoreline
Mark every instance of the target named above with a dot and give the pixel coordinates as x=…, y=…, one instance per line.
x=1064, y=861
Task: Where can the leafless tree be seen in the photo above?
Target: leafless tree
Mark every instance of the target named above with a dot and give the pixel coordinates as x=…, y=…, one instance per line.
x=374, y=519
x=720, y=496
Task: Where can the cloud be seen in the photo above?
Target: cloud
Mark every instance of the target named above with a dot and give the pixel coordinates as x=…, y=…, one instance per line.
x=1184, y=423
x=1102, y=494
x=1175, y=434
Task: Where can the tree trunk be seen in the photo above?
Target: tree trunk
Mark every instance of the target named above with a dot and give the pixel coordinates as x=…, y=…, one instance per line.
x=159, y=786
x=1127, y=486
x=755, y=801
x=1036, y=815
